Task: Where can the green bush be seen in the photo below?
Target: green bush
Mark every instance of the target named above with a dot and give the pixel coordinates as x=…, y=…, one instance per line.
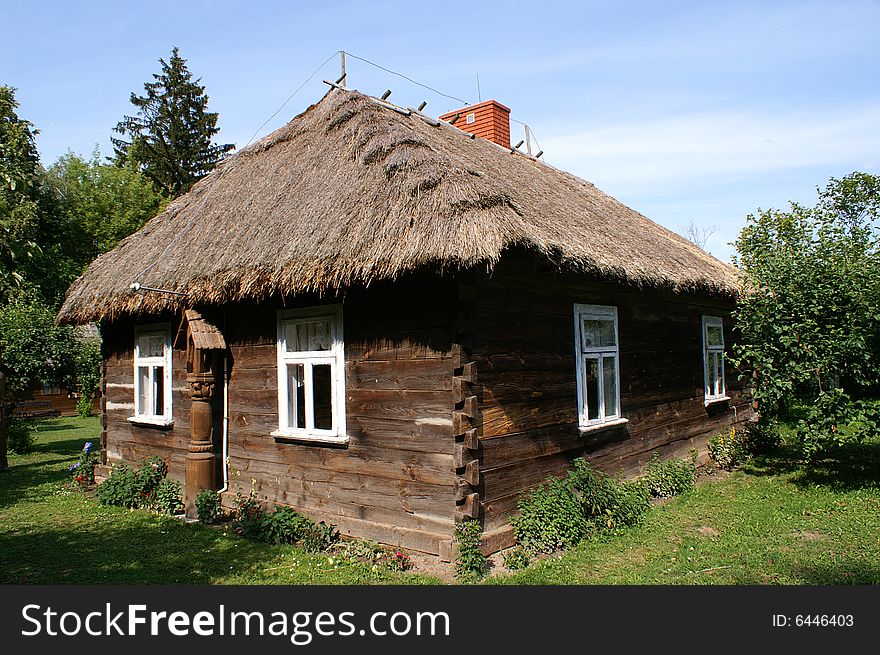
x=670, y=477
x=379, y=555
x=169, y=498
x=470, y=565
x=122, y=488
x=19, y=436
x=208, y=506
x=249, y=515
x=740, y=444
x=287, y=526
x=132, y=489
x=563, y=512
x=516, y=558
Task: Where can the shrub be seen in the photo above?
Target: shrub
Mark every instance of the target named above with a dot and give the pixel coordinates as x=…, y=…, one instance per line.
x=287, y=526
x=169, y=498
x=549, y=519
x=83, y=470
x=516, y=558
x=563, y=512
x=249, y=515
x=471, y=565
x=208, y=506
x=379, y=555
x=122, y=488
x=132, y=489
x=666, y=478
x=728, y=450
x=19, y=437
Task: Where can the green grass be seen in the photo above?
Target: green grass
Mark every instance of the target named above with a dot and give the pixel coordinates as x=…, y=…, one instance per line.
x=50, y=535
x=768, y=523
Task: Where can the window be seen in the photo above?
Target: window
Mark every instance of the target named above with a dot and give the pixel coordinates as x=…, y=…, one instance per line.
x=597, y=366
x=311, y=382
x=152, y=375
x=713, y=358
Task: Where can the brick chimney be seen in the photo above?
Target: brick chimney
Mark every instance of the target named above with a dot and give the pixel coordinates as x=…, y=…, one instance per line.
x=489, y=120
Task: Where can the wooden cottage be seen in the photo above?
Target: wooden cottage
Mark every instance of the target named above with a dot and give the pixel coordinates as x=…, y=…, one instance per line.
x=389, y=324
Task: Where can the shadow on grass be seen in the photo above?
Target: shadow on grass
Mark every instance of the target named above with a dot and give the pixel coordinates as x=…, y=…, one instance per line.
x=842, y=573
x=843, y=468
x=67, y=448
x=22, y=478
x=163, y=552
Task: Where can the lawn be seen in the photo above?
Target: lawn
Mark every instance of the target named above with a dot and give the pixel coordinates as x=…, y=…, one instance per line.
x=767, y=523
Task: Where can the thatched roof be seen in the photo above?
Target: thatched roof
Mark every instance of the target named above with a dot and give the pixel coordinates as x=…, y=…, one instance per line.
x=352, y=191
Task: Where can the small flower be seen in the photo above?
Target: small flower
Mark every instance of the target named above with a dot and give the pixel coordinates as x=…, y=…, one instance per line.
x=73, y=467
x=88, y=447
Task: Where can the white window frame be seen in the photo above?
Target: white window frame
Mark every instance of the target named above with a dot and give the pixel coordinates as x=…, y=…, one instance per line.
x=709, y=397
x=334, y=356
x=166, y=418
x=603, y=312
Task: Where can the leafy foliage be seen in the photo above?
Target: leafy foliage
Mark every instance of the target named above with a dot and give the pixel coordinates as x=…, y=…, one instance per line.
x=563, y=512
x=102, y=203
x=809, y=317
x=670, y=477
x=208, y=506
x=19, y=436
x=516, y=558
x=470, y=565
x=169, y=497
x=378, y=555
x=729, y=450
x=283, y=526
x=131, y=488
x=171, y=138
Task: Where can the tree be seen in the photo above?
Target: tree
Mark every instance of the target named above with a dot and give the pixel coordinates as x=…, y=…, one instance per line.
x=171, y=138
x=106, y=203
x=19, y=192
x=809, y=317
x=697, y=234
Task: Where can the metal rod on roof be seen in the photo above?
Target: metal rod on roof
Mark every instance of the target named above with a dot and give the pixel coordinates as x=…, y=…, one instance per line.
x=341, y=79
x=423, y=105
x=516, y=147
x=335, y=85
x=137, y=286
x=538, y=156
x=528, y=140
x=386, y=94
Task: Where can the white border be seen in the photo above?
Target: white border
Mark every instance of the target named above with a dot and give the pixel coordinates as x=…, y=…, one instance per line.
x=586, y=423
x=167, y=417
x=709, y=398
x=336, y=354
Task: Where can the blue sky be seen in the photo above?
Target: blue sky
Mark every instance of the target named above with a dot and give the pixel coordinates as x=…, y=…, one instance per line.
x=685, y=111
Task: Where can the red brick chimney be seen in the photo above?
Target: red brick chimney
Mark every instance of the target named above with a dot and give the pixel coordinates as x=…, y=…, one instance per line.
x=489, y=120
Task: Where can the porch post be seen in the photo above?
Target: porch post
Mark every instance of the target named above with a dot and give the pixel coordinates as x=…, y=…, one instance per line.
x=200, y=456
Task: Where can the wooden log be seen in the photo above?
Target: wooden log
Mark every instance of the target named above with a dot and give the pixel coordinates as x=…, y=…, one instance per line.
x=472, y=473
x=469, y=508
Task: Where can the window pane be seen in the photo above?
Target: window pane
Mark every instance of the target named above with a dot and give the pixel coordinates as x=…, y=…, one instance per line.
x=322, y=396
x=712, y=366
x=301, y=336
x=591, y=369
x=609, y=385
x=157, y=407
x=719, y=374
x=143, y=389
x=598, y=333
x=713, y=335
x=296, y=396
x=151, y=345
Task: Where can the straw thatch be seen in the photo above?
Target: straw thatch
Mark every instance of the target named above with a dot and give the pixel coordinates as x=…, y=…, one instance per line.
x=350, y=192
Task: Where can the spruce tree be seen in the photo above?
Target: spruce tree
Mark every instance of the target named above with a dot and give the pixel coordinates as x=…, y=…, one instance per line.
x=171, y=137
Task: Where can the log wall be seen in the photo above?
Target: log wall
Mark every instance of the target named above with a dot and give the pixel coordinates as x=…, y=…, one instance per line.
x=516, y=325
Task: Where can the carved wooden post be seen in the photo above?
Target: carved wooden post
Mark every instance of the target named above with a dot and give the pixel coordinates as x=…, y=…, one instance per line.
x=200, y=455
